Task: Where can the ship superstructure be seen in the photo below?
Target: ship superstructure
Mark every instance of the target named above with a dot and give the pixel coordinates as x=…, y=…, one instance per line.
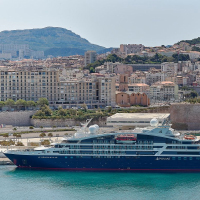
x=156, y=148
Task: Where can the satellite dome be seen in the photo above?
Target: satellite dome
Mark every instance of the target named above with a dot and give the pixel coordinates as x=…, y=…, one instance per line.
x=154, y=122
x=93, y=129
x=97, y=127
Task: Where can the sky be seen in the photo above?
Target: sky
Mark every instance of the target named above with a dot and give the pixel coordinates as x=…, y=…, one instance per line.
x=108, y=23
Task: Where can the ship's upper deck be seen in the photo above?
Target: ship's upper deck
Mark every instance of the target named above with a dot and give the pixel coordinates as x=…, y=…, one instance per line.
x=164, y=133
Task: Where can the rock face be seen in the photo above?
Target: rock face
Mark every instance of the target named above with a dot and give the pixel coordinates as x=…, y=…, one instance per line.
x=185, y=116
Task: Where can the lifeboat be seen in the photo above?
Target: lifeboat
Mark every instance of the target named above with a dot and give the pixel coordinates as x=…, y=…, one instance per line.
x=189, y=137
x=126, y=139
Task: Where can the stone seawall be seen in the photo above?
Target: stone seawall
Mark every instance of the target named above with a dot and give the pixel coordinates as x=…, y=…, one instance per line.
x=16, y=118
x=185, y=116
x=64, y=122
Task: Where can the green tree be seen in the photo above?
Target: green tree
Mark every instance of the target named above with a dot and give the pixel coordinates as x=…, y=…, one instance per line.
x=45, y=142
x=180, y=57
x=62, y=112
x=193, y=94
x=109, y=109
x=31, y=127
x=84, y=107
x=19, y=144
x=9, y=103
x=113, y=58
x=46, y=110
x=92, y=70
x=20, y=103
x=42, y=102
x=31, y=104
x=2, y=103
x=40, y=113
x=72, y=112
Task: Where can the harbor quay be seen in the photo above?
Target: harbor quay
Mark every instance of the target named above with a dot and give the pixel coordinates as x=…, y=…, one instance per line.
x=27, y=139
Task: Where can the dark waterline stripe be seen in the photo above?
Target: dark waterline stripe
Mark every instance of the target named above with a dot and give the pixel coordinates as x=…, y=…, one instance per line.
x=99, y=169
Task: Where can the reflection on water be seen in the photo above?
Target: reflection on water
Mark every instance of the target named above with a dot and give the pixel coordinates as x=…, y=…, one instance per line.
x=36, y=184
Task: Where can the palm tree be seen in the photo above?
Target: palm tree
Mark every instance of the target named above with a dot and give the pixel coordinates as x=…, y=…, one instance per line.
x=41, y=128
x=53, y=127
x=5, y=135
x=15, y=135
x=42, y=135
x=18, y=136
x=14, y=129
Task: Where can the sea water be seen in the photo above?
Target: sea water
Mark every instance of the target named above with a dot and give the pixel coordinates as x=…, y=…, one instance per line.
x=37, y=184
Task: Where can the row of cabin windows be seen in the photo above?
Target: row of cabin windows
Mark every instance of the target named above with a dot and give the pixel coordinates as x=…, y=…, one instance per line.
x=71, y=157
x=103, y=141
x=177, y=147
x=114, y=147
x=88, y=152
x=100, y=151
x=184, y=158
x=182, y=147
x=144, y=142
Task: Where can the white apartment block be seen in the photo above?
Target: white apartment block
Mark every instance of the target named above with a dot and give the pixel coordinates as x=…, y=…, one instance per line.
x=29, y=85
x=93, y=91
x=155, y=77
x=107, y=90
x=138, y=87
x=32, y=83
x=131, y=48
x=134, y=78
x=169, y=67
x=164, y=91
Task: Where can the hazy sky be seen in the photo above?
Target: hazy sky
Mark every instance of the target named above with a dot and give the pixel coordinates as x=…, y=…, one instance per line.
x=108, y=23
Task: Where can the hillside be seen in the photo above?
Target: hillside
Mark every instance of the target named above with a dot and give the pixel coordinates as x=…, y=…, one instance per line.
x=192, y=42
x=53, y=39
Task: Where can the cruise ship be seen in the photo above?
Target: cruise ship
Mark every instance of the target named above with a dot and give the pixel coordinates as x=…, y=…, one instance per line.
x=154, y=148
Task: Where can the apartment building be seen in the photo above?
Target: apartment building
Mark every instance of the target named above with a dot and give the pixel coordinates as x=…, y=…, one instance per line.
x=137, y=77
x=169, y=67
x=155, y=77
x=107, y=90
x=138, y=87
x=75, y=92
x=29, y=84
x=93, y=91
x=131, y=48
x=32, y=83
x=164, y=91
x=90, y=57
x=131, y=94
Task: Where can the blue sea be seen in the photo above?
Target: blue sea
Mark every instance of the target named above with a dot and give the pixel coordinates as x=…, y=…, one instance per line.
x=46, y=185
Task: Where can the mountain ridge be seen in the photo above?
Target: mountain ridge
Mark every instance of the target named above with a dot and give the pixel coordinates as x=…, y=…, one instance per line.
x=43, y=39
